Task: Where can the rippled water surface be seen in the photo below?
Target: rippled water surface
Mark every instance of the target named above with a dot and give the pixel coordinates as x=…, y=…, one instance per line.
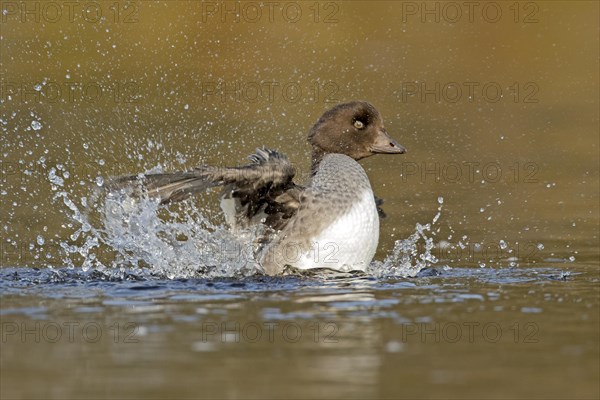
x=486, y=279
x=468, y=331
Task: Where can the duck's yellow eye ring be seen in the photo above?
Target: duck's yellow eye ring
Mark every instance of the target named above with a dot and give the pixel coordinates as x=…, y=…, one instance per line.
x=359, y=124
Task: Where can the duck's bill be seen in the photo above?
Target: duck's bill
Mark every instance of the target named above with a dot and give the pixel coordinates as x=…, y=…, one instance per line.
x=384, y=144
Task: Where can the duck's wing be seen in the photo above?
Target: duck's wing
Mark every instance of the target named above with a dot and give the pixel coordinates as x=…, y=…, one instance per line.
x=260, y=190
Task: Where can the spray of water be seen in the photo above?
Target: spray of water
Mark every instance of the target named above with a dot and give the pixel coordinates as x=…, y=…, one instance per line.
x=116, y=230
x=410, y=255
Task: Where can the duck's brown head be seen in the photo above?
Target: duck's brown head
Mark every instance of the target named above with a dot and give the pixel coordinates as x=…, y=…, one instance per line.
x=354, y=129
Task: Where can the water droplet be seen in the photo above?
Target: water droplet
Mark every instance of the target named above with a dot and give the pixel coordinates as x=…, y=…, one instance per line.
x=572, y=258
x=502, y=244
x=55, y=179
x=440, y=200
x=36, y=126
x=99, y=181
x=540, y=246
x=394, y=347
x=40, y=240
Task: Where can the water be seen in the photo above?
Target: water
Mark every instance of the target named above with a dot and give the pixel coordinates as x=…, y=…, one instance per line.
x=486, y=280
x=143, y=290
x=311, y=334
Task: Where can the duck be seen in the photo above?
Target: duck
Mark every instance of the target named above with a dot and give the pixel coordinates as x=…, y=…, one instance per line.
x=331, y=222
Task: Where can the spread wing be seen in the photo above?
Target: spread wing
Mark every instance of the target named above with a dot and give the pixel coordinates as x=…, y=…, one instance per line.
x=259, y=191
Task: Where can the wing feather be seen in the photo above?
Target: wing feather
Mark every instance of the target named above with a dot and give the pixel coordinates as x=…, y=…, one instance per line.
x=261, y=190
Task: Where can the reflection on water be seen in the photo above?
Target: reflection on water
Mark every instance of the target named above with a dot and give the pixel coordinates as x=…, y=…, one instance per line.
x=253, y=337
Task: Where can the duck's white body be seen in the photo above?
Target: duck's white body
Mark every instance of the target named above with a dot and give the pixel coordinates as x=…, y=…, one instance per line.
x=349, y=243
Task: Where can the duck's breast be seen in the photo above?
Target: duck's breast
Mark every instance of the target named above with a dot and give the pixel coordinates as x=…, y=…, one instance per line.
x=349, y=242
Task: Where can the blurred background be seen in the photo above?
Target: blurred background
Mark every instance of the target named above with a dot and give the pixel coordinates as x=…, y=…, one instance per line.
x=496, y=102
x=498, y=105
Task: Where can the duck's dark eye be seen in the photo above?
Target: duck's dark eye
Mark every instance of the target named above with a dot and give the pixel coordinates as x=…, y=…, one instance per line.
x=359, y=124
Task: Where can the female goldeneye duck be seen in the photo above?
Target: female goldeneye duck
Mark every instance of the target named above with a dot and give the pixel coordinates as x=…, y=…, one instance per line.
x=331, y=222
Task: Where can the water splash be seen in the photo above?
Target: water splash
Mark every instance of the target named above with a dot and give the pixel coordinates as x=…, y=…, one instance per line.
x=177, y=242
x=119, y=231
x=410, y=255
